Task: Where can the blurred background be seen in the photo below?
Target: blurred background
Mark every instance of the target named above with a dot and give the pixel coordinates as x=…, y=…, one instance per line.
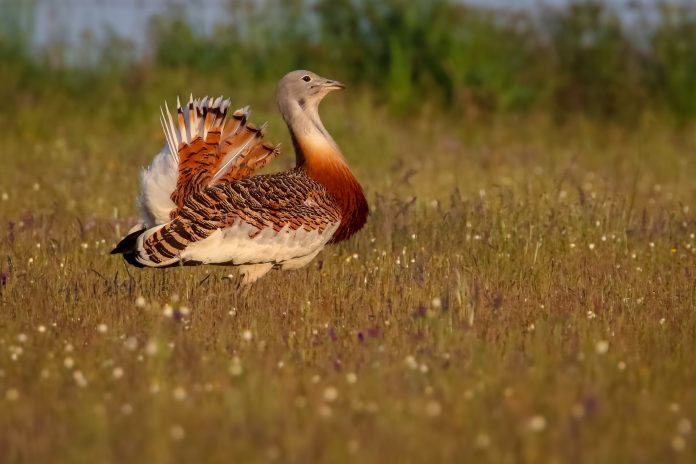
x=442, y=94
x=614, y=59
x=522, y=292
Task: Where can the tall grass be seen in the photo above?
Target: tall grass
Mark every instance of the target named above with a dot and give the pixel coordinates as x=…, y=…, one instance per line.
x=523, y=290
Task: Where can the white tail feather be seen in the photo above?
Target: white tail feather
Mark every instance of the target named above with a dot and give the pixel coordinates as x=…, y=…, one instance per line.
x=157, y=182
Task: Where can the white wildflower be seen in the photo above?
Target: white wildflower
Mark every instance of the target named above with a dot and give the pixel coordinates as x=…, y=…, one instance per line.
x=433, y=408
x=151, y=348
x=684, y=426
x=602, y=346
x=80, y=379
x=330, y=394
x=410, y=362
x=678, y=443
x=168, y=311
x=179, y=394
x=12, y=394
x=537, y=423
x=177, y=432
x=482, y=440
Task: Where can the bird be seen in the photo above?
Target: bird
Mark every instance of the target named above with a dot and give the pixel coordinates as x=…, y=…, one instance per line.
x=199, y=202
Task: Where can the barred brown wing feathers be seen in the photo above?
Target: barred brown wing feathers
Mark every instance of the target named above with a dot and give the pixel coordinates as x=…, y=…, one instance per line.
x=211, y=149
x=196, y=163
x=288, y=200
x=253, y=159
x=277, y=200
x=242, y=150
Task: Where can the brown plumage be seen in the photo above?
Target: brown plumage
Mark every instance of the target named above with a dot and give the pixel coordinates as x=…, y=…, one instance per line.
x=275, y=200
x=203, y=155
x=200, y=205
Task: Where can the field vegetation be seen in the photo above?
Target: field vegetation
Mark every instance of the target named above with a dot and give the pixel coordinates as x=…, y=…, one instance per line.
x=524, y=290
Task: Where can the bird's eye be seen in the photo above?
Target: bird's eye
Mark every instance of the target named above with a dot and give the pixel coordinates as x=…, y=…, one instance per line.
x=306, y=78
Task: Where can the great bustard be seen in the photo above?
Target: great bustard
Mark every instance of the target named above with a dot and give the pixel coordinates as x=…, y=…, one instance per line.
x=199, y=204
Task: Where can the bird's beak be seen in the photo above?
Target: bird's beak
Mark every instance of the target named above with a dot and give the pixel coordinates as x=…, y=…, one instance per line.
x=333, y=85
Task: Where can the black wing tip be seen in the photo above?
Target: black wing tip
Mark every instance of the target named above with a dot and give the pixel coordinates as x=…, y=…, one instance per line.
x=131, y=258
x=128, y=248
x=128, y=244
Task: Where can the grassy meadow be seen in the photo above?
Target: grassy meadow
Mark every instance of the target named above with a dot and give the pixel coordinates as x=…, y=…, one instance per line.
x=524, y=289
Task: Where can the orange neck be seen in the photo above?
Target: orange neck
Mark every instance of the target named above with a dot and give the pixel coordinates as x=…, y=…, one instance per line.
x=325, y=164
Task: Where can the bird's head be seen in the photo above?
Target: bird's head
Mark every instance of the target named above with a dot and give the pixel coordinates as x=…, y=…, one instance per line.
x=305, y=89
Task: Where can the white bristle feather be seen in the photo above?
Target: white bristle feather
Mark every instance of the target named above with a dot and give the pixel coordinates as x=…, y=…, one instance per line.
x=193, y=126
x=169, y=136
x=172, y=128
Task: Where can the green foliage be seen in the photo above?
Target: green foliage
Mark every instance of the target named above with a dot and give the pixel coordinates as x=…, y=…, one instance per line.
x=495, y=65
x=577, y=60
x=674, y=47
x=594, y=65
x=401, y=47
